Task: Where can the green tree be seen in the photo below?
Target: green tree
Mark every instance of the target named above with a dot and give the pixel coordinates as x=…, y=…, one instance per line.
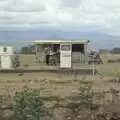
x=115, y=50
x=27, y=49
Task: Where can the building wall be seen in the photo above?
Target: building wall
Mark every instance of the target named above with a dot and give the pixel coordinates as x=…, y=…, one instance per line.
x=77, y=57
x=40, y=54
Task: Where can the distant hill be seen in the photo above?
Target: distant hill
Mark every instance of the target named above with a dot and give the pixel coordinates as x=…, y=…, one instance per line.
x=23, y=37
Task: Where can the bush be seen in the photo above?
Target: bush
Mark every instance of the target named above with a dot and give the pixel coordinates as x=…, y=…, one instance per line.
x=85, y=93
x=111, y=61
x=29, y=106
x=118, y=60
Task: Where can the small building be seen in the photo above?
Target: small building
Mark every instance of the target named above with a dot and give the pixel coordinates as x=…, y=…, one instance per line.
x=77, y=49
x=6, y=53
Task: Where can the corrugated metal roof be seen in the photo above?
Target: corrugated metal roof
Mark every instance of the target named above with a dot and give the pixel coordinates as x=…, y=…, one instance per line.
x=36, y=42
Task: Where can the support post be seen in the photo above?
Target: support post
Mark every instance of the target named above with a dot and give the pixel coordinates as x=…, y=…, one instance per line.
x=36, y=54
x=85, y=54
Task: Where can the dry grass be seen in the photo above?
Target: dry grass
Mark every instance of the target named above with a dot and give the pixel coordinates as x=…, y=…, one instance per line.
x=61, y=85
x=107, y=69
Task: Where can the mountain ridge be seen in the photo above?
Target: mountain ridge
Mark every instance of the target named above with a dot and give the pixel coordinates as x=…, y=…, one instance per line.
x=21, y=38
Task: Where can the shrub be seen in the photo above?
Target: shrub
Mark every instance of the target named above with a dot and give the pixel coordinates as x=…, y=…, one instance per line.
x=118, y=60
x=29, y=106
x=111, y=61
x=85, y=93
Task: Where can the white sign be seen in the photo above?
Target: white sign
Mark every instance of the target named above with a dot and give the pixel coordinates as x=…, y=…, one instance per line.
x=65, y=55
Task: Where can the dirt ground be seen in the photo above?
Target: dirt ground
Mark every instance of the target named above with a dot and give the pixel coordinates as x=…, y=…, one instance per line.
x=63, y=85
x=58, y=83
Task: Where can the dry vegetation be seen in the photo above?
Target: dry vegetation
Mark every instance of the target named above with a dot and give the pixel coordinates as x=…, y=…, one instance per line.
x=67, y=96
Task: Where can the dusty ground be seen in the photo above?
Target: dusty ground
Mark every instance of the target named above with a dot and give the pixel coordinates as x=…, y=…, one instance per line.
x=62, y=85
x=106, y=69
x=58, y=83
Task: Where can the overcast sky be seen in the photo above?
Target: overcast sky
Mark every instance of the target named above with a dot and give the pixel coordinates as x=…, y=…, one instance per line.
x=103, y=15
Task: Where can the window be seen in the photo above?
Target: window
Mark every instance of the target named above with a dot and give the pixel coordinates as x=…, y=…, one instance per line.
x=78, y=48
x=66, y=47
x=5, y=49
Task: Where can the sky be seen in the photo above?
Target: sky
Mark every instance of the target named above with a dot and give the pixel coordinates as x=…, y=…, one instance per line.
x=102, y=16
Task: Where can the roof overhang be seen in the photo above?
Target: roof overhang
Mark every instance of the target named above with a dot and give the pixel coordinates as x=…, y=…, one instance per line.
x=38, y=42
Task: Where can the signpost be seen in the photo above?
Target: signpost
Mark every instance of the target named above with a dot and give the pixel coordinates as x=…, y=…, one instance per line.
x=65, y=55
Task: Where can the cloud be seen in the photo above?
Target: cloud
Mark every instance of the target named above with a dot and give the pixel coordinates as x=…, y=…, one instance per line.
x=102, y=13
x=72, y=3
